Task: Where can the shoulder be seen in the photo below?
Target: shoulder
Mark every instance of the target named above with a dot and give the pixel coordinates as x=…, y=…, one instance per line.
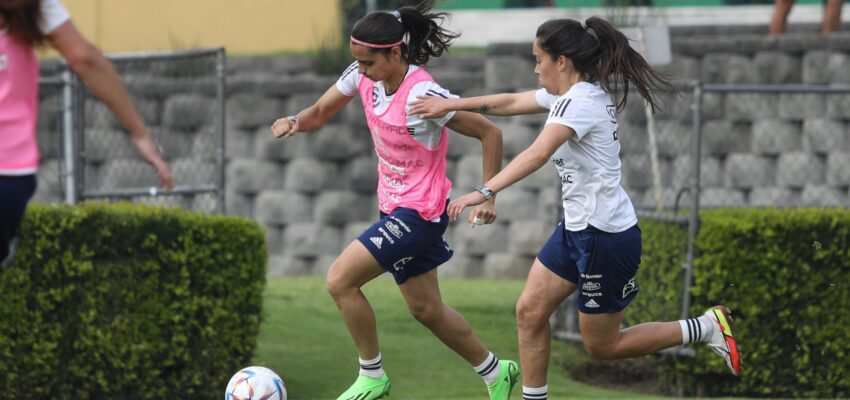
x=429, y=88
x=561, y=104
x=544, y=99
x=349, y=80
x=53, y=14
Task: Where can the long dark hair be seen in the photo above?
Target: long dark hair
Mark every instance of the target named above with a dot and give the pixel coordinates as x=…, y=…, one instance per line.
x=603, y=54
x=424, y=36
x=21, y=18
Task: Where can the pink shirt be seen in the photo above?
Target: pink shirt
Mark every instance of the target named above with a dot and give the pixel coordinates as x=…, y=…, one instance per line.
x=18, y=107
x=19, y=94
x=410, y=175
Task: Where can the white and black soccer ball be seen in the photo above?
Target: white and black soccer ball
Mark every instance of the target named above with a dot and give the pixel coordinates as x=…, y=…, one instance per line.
x=255, y=383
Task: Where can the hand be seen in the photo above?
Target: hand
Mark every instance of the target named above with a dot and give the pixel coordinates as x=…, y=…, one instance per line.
x=485, y=213
x=429, y=107
x=285, y=127
x=470, y=199
x=166, y=180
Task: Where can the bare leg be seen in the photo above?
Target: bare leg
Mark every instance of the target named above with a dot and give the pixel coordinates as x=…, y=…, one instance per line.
x=542, y=294
x=351, y=270
x=604, y=340
x=422, y=295
x=780, y=17
x=832, y=15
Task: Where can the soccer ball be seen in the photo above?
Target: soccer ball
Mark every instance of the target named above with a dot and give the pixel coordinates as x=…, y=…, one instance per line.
x=255, y=383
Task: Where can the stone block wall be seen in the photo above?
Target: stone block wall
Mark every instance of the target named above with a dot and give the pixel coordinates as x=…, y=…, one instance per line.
x=315, y=193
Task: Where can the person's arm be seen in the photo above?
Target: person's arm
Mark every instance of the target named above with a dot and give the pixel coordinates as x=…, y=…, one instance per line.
x=504, y=104
x=490, y=135
x=98, y=73
x=530, y=160
x=313, y=117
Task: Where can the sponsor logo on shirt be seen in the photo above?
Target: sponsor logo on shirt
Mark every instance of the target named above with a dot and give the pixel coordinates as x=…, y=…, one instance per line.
x=377, y=241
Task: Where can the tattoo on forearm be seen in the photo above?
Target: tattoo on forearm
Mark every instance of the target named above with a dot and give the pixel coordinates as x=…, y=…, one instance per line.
x=484, y=109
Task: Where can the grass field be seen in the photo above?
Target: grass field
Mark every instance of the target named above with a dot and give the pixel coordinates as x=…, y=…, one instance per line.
x=304, y=340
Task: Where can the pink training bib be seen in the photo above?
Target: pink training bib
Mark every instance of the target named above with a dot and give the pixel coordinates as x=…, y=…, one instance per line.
x=410, y=175
x=18, y=107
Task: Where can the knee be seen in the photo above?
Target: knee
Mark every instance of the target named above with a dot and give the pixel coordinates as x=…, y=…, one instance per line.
x=336, y=286
x=529, y=317
x=426, y=314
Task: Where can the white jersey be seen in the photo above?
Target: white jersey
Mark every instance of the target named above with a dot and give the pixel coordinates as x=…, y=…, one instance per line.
x=53, y=14
x=589, y=163
x=426, y=131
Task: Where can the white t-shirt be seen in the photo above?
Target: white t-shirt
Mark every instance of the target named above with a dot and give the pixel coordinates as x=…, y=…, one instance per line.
x=53, y=14
x=426, y=131
x=589, y=163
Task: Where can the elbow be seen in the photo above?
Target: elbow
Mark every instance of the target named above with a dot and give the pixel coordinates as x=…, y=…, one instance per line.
x=496, y=134
x=84, y=58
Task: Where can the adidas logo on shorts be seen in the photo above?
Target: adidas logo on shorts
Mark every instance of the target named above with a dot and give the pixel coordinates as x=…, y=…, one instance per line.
x=377, y=241
x=591, y=304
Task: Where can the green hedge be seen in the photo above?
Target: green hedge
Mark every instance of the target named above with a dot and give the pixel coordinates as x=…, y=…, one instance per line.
x=129, y=302
x=785, y=274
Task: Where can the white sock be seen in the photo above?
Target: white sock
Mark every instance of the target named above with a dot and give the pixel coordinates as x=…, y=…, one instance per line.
x=489, y=369
x=697, y=329
x=535, y=393
x=372, y=368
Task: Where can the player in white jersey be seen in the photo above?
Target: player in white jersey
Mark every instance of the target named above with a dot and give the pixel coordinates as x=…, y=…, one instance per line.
x=390, y=49
x=596, y=248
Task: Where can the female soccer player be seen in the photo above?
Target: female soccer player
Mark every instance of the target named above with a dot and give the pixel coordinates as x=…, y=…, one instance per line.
x=26, y=24
x=596, y=248
x=390, y=49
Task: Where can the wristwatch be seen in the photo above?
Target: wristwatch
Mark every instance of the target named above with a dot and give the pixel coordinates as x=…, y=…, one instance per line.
x=483, y=189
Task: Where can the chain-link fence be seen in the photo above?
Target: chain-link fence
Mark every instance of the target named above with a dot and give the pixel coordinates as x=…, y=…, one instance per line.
x=735, y=146
x=51, y=125
x=181, y=98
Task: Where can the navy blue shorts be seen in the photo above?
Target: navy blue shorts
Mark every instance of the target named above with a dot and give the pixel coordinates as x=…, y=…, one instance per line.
x=15, y=192
x=603, y=265
x=405, y=244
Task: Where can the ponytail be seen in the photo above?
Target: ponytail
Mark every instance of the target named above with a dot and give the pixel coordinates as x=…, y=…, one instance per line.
x=604, y=55
x=417, y=29
x=21, y=19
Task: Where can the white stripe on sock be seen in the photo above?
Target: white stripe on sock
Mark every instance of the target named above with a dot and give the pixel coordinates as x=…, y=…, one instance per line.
x=372, y=368
x=489, y=369
x=535, y=393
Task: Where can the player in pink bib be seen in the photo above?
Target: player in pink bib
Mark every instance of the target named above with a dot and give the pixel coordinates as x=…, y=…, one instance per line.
x=407, y=241
x=24, y=25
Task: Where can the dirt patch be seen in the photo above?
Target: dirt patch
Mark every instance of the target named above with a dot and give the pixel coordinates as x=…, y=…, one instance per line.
x=635, y=375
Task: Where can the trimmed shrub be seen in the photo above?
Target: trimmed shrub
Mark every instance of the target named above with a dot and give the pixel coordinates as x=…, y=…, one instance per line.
x=131, y=302
x=785, y=274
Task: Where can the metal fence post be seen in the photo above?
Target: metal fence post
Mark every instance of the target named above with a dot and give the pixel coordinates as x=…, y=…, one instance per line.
x=693, y=223
x=221, y=74
x=69, y=149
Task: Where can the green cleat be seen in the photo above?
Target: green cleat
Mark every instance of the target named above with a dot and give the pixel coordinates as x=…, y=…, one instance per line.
x=367, y=388
x=508, y=374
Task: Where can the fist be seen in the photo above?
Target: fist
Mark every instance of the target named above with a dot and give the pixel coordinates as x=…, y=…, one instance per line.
x=285, y=127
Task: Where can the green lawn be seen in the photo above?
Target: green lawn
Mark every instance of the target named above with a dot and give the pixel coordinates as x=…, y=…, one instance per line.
x=304, y=340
